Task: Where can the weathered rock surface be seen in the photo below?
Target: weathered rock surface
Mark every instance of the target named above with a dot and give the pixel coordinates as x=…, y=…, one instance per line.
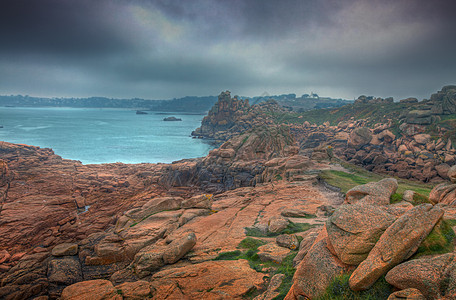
x=376, y=193
x=289, y=241
x=444, y=193
x=207, y=280
x=273, y=287
x=93, y=289
x=407, y=294
x=308, y=240
x=397, y=243
x=360, y=137
x=277, y=224
x=314, y=273
x=65, y=249
x=434, y=277
x=152, y=258
x=354, y=229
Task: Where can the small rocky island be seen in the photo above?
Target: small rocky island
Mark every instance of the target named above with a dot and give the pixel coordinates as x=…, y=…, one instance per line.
x=172, y=119
x=140, y=112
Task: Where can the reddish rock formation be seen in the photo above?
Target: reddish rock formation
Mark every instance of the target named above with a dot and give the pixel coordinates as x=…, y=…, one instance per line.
x=434, y=277
x=397, y=243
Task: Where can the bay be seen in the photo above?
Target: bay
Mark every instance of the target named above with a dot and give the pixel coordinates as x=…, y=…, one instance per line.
x=95, y=136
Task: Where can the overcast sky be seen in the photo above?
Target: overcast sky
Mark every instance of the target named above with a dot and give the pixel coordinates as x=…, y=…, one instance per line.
x=165, y=49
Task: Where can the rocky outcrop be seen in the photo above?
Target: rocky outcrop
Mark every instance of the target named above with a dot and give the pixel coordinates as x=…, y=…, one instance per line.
x=139, y=225
x=222, y=117
x=172, y=119
x=230, y=117
x=369, y=238
x=373, y=100
x=444, y=101
x=353, y=230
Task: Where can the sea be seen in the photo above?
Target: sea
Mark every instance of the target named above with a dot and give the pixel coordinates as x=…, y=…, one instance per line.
x=95, y=136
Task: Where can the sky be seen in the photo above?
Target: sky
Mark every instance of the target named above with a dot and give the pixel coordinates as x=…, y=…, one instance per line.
x=161, y=49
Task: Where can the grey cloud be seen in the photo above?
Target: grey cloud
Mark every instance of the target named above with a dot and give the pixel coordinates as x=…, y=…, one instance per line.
x=165, y=49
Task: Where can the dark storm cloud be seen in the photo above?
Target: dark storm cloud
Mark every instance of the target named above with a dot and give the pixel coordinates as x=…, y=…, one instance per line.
x=165, y=49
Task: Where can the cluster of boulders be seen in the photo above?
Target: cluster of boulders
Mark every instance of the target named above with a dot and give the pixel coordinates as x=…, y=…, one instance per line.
x=415, y=155
x=373, y=100
x=368, y=237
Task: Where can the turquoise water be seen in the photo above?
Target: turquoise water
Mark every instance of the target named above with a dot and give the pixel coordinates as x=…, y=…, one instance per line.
x=95, y=136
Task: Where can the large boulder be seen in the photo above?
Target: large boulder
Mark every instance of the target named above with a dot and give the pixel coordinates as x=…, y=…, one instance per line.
x=359, y=137
x=64, y=271
x=422, y=138
x=315, y=272
x=397, y=243
x=354, y=229
x=434, y=277
x=376, y=193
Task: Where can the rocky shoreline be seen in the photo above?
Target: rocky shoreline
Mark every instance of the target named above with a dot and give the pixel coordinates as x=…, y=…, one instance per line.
x=251, y=220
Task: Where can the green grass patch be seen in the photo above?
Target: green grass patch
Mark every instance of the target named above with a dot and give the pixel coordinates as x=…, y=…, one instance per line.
x=250, y=243
x=231, y=255
x=291, y=228
x=396, y=198
x=357, y=175
x=286, y=268
x=250, y=253
x=340, y=290
x=439, y=241
x=420, y=199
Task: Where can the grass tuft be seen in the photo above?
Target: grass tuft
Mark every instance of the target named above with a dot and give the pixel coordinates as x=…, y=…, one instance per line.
x=439, y=241
x=339, y=289
x=250, y=243
x=396, y=198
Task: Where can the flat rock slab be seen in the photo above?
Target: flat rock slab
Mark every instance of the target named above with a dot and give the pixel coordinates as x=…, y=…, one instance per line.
x=207, y=280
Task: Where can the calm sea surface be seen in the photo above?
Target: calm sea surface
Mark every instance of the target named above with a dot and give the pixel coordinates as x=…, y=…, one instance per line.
x=104, y=135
